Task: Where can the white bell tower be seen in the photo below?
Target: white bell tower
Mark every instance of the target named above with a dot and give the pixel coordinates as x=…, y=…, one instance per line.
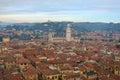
x=68, y=33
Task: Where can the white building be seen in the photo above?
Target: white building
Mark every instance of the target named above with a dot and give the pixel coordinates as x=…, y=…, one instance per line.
x=68, y=33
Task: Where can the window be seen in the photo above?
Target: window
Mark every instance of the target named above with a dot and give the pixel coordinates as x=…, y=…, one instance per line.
x=55, y=76
x=24, y=63
x=52, y=77
x=48, y=77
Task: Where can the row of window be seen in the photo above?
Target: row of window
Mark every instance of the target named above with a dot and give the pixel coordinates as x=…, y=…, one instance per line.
x=53, y=77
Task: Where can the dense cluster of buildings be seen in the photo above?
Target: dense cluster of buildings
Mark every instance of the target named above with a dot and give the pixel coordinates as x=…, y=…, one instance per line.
x=39, y=60
x=92, y=56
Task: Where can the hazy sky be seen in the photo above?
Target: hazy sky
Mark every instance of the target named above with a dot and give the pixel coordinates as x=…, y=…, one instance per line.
x=60, y=10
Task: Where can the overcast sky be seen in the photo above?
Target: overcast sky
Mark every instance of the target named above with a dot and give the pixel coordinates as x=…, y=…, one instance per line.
x=60, y=10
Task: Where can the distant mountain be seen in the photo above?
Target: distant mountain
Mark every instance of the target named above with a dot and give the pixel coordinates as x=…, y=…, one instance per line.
x=38, y=29
x=87, y=26
x=61, y=26
x=4, y=24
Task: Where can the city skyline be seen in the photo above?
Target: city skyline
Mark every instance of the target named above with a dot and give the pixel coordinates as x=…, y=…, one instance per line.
x=59, y=10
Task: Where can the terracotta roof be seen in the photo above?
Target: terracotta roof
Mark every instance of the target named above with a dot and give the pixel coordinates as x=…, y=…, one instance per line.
x=50, y=72
x=106, y=78
x=58, y=61
x=13, y=77
x=10, y=76
x=44, y=68
x=34, y=59
x=22, y=60
x=72, y=75
x=1, y=76
x=115, y=77
x=30, y=70
x=10, y=60
x=65, y=67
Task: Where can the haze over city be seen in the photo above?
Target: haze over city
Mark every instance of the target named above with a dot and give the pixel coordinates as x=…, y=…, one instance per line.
x=60, y=10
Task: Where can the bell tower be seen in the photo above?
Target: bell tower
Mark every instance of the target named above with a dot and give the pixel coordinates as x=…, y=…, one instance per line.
x=68, y=33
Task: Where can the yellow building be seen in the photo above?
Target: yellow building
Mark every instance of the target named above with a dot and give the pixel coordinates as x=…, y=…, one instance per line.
x=65, y=69
x=48, y=74
x=117, y=58
x=117, y=70
x=6, y=39
x=23, y=63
